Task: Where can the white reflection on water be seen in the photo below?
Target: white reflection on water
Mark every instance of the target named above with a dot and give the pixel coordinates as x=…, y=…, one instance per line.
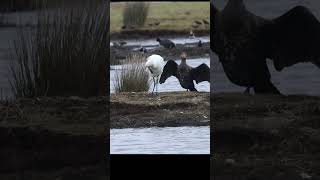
x=168, y=140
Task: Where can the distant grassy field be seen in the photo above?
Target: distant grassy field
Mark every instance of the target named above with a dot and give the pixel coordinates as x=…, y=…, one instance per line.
x=27, y=5
x=171, y=15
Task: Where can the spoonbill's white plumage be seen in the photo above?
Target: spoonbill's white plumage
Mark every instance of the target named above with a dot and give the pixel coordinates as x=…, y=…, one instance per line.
x=155, y=64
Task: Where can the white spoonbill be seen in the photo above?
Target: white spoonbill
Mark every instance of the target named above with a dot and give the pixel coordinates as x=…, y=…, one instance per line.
x=155, y=64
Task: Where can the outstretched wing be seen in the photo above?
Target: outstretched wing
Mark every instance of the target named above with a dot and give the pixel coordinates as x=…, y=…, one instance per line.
x=292, y=38
x=170, y=69
x=200, y=73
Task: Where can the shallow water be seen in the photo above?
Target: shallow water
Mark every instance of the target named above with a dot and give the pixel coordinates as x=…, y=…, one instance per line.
x=169, y=140
x=172, y=83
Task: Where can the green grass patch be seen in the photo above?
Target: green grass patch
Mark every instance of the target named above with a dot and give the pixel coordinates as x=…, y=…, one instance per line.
x=171, y=16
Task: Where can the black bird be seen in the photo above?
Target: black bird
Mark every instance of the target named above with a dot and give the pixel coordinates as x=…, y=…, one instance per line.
x=143, y=50
x=124, y=27
x=199, y=43
x=200, y=73
x=157, y=23
x=185, y=74
x=243, y=42
x=166, y=43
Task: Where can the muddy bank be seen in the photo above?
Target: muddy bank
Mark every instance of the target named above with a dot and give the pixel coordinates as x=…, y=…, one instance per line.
x=118, y=54
x=145, y=34
x=266, y=137
x=50, y=138
x=172, y=109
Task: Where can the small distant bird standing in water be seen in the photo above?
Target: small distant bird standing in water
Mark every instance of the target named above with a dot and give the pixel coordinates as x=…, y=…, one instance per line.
x=155, y=64
x=191, y=35
x=185, y=74
x=166, y=43
x=143, y=50
x=199, y=43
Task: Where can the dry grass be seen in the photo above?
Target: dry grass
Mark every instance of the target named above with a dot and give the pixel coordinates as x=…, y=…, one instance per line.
x=66, y=55
x=133, y=76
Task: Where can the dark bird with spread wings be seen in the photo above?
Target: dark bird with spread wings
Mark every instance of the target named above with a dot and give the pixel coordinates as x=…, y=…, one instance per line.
x=185, y=73
x=243, y=42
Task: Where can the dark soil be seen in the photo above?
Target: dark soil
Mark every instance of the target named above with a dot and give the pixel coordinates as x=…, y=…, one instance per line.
x=54, y=138
x=172, y=109
x=265, y=137
x=143, y=34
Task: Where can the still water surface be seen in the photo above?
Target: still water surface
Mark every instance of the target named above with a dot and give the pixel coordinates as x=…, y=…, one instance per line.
x=168, y=140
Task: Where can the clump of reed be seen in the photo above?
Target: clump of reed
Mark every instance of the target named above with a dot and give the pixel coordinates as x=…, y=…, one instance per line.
x=133, y=76
x=135, y=13
x=66, y=54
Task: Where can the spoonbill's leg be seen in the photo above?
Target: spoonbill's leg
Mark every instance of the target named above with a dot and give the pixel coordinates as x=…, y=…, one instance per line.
x=154, y=84
x=157, y=82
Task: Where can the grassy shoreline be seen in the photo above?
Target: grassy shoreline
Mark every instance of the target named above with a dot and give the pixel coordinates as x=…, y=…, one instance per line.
x=170, y=109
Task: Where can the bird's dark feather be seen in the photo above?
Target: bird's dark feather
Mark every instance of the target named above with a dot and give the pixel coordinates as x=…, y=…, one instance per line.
x=200, y=73
x=292, y=38
x=170, y=69
x=244, y=43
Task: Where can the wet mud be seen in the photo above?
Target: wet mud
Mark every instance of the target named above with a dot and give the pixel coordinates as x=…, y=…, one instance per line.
x=265, y=137
x=168, y=109
x=54, y=138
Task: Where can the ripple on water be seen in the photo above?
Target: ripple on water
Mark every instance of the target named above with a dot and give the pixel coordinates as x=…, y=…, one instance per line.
x=169, y=140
